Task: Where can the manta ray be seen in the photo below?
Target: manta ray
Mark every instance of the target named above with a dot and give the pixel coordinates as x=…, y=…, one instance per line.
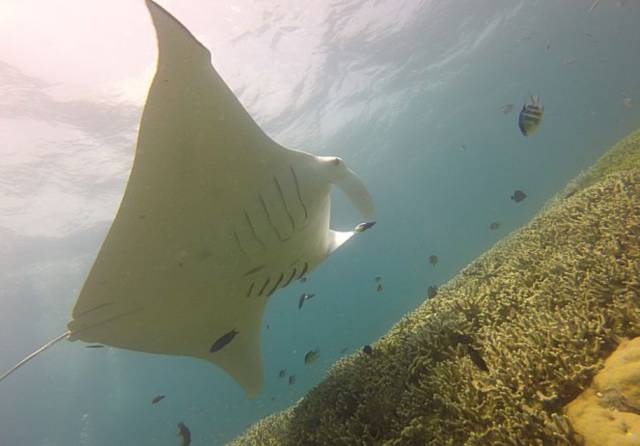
x=216, y=218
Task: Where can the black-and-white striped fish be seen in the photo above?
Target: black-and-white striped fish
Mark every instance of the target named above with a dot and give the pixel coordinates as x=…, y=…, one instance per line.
x=530, y=116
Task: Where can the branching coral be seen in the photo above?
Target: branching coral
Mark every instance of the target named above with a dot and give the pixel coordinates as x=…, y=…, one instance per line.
x=494, y=357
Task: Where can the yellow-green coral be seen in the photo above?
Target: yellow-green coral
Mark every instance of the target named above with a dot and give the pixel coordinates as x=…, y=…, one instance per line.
x=505, y=345
x=608, y=412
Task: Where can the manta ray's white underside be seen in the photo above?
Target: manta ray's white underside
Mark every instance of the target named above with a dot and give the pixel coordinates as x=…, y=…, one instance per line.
x=216, y=218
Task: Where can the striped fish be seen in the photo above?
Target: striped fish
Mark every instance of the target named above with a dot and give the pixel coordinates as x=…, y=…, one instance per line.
x=530, y=116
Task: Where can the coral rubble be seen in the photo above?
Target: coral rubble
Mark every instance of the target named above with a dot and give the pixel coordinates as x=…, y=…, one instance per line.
x=505, y=345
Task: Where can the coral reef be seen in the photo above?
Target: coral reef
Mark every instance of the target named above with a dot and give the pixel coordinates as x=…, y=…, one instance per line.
x=505, y=345
x=608, y=412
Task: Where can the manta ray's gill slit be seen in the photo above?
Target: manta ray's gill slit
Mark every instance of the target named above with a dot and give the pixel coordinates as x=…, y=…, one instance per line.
x=284, y=204
x=250, y=289
x=293, y=273
x=276, y=285
x=94, y=309
x=264, y=286
x=254, y=270
x=295, y=180
x=253, y=230
x=275, y=229
x=304, y=270
x=235, y=235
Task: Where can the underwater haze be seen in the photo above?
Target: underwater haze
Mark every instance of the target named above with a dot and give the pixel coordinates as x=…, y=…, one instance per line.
x=409, y=93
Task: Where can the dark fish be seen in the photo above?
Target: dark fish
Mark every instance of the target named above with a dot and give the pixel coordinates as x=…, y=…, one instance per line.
x=311, y=356
x=476, y=358
x=432, y=291
x=548, y=47
x=530, y=116
x=223, y=340
x=303, y=297
x=507, y=108
x=367, y=350
x=518, y=196
x=94, y=346
x=344, y=350
x=184, y=433
x=268, y=327
x=494, y=225
x=292, y=379
x=378, y=278
x=379, y=288
x=364, y=226
x=303, y=279
x=157, y=399
x=282, y=373
x=433, y=260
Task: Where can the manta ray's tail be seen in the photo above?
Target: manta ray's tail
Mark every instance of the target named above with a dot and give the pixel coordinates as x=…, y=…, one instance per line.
x=34, y=354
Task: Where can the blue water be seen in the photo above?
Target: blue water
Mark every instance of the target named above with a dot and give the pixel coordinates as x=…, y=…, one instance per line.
x=395, y=88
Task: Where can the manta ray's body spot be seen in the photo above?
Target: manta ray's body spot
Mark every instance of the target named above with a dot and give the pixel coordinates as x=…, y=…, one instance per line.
x=223, y=340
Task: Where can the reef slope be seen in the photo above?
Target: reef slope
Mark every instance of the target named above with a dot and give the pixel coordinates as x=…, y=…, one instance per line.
x=506, y=344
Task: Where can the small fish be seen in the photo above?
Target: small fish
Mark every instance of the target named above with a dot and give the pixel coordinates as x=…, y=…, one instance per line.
x=311, y=356
x=494, y=225
x=364, y=226
x=367, y=350
x=548, y=47
x=530, y=116
x=303, y=297
x=379, y=288
x=627, y=102
x=594, y=5
x=282, y=373
x=518, y=196
x=184, y=433
x=507, y=108
x=433, y=260
x=569, y=60
x=94, y=346
x=223, y=340
x=378, y=279
x=432, y=291
x=476, y=358
x=268, y=327
x=302, y=279
x=157, y=399
x=463, y=148
x=344, y=350
x=292, y=380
